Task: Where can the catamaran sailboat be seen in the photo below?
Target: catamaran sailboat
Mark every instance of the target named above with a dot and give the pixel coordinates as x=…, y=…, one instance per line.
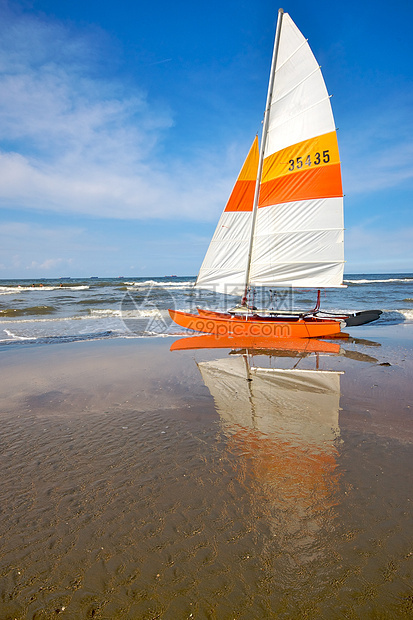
x=283, y=223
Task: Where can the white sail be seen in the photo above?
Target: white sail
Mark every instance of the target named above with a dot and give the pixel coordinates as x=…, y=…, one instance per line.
x=293, y=234
x=298, y=236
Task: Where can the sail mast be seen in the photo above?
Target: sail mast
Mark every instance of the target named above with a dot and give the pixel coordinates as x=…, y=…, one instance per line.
x=262, y=150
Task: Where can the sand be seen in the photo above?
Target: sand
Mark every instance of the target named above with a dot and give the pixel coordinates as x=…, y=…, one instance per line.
x=143, y=483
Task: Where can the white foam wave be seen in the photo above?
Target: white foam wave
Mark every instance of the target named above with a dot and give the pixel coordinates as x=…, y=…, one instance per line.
x=145, y=313
x=94, y=315
x=55, y=320
x=364, y=281
x=153, y=283
x=132, y=336
x=395, y=315
x=16, y=337
x=179, y=284
x=146, y=283
x=7, y=290
x=104, y=312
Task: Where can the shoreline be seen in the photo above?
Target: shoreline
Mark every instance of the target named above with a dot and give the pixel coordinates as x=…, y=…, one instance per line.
x=139, y=374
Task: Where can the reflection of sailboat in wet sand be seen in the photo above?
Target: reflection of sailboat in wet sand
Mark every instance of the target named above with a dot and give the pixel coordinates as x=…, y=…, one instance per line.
x=297, y=406
x=282, y=426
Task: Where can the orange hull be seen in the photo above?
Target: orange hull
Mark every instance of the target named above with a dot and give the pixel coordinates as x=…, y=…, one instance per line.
x=223, y=324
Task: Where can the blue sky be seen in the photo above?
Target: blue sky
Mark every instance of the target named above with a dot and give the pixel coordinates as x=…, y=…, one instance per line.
x=123, y=127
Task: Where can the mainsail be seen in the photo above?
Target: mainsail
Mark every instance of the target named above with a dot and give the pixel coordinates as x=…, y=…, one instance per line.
x=293, y=233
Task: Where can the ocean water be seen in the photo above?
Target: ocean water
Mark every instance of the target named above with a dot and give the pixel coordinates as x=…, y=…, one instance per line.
x=58, y=310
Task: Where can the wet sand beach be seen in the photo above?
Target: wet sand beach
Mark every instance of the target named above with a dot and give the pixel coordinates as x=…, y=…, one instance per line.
x=137, y=482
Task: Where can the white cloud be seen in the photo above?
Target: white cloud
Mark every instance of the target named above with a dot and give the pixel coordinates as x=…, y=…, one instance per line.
x=74, y=142
x=71, y=142
x=50, y=263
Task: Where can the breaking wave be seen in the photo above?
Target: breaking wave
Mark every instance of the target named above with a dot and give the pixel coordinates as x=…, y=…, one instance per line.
x=153, y=283
x=396, y=316
x=365, y=281
x=7, y=290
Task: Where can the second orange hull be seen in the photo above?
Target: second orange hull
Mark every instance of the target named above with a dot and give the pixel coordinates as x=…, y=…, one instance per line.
x=228, y=325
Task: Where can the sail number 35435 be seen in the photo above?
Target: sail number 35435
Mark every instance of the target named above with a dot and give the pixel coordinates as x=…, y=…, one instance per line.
x=299, y=162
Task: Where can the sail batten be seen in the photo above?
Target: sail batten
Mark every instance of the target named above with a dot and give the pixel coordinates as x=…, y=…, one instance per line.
x=281, y=64
x=307, y=77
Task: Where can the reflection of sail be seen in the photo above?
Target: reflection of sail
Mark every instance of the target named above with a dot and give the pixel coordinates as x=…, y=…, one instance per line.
x=282, y=425
x=294, y=405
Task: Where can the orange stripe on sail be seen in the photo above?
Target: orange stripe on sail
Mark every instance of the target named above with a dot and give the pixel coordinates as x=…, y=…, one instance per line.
x=250, y=168
x=307, y=155
x=320, y=182
x=242, y=196
x=307, y=170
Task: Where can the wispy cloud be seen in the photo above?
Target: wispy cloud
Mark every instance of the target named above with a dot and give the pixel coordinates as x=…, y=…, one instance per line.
x=50, y=263
x=72, y=141
x=75, y=141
